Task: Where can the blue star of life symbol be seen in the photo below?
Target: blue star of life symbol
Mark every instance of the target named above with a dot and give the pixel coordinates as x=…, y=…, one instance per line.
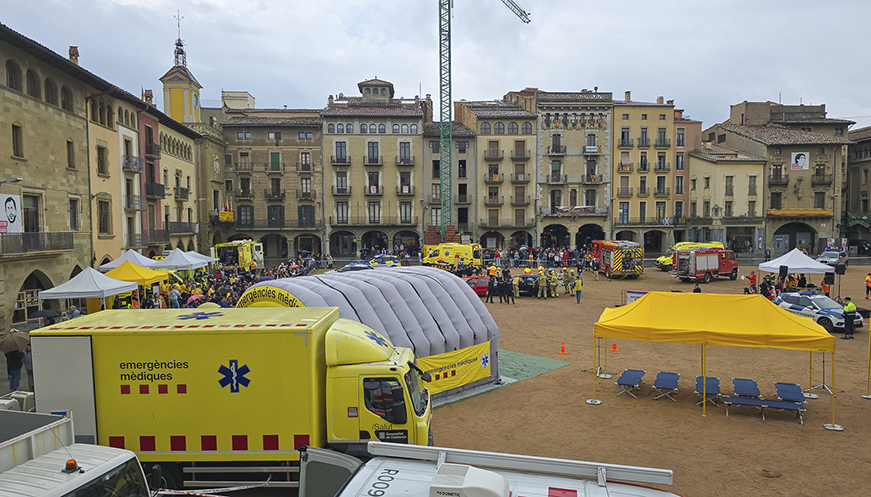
x=202, y=315
x=375, y=337
x=234, y=375
x=485, y=360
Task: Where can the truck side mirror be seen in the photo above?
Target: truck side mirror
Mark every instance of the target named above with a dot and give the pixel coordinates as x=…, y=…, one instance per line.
x=155, y=478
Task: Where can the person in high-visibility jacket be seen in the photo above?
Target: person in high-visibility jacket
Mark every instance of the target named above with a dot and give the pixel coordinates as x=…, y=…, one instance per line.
x=527, y=270
x=849, y=317
x=579, y=286
x=568, y=281
x=515, y=282
x=867, y=285
x=825, y=287
x=553, y=283
x=542, y=284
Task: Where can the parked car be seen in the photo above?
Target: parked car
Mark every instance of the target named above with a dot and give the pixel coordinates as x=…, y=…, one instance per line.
x=825, y=311
x=384, y=260
x=528, y=284
x=833, y=257
x=354, y=266
x=863, y=247
x=478, y=284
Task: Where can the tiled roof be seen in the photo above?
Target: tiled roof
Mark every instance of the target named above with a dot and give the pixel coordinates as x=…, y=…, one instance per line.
x=180, y=73
x=279, y=111
x=633, y=103
x=778, y=135
x=719, y=153
x=273, y=121
x=813, y=120
x=373, y=110
x=497, y=110
x=860, y=134
x=458, y=130
x=375, y=81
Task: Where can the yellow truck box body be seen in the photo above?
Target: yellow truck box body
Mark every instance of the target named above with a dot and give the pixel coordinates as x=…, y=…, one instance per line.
x=211, y=386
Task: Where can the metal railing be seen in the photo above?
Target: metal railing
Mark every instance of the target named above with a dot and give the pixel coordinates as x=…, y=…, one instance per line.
x=43, y=241
x=662, y=143
x=520, y=200
x=304, y=195
x=556, y=150
x=435, y=199
x=181, y=193
x=643, y=166
x=521, y=155
x=303, y=167
x=520, y=178
x=375, y=221
x=625, y=167
x=152, y=150
x=643, y=141
x=582, y=211
x=624, y=192
x=821, y=179
x=341, y=190
x=463, y=198
x=662, y=167
x=778, y=180
x=373, y=160
x=405, y=190
x=245, y=193
x=404, y=161
x=662, y=192
x=286, y=224
x=494, y=201
x=274, y=194
x=649, y=220
x=643, y=191
x=175, y=227
x=557, y=179
x=494, y=154
x=507, y=223
x=494, y=178
x=626, y=143
x=340, y=161
x=269, y=167
x=155, y=190
x=132, y=163
x=592, y=179
x=243, y=167
x=136, y=240
x=135, y=202
x=373, y=190
x=156, y=237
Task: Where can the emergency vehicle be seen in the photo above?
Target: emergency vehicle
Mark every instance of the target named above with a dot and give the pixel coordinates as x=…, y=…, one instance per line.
x=619, y=258
x=446, y=255
x=704, y=264
x=664, y=262
x=245, y=254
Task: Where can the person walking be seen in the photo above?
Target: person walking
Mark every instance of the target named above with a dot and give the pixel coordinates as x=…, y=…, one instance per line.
x=515, y=283
x=174, y=296
x=696, y=288
x=752, y=279
x=578, y=286
x=14, y=362
x=506, y=282
x=849, y=316
x=491, y=289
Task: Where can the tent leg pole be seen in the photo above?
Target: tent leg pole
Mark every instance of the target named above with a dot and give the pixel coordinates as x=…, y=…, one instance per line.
x=704, y=381
x=604, y=375
x=868, y=380
x=594, y=401
x=810, y=380
x=833, y=426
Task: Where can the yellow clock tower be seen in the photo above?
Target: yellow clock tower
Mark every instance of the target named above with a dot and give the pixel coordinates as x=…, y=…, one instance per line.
x=181, y=91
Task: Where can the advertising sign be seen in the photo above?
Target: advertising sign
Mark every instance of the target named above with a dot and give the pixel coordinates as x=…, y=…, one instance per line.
x=800, y=161
x=10, y=222
x=457, y=368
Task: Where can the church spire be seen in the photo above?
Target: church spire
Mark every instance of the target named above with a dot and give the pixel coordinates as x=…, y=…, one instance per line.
x=180, y=57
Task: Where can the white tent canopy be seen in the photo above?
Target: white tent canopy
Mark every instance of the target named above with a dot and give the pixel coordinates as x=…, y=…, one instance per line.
x=90, y=283
x=179, y=260
x=797, y=263
x=129, y=255
x=200, y=257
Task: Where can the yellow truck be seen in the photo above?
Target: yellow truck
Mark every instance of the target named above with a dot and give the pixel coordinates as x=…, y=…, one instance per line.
x=448, y=255
x=226, y=397
x=665, y=261
x=243, y=254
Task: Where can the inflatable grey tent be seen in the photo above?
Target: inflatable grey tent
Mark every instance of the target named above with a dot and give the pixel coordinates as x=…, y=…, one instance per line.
x=426, y=309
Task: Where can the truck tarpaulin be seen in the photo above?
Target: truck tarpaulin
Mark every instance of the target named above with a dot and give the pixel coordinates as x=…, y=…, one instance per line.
x=458, y=368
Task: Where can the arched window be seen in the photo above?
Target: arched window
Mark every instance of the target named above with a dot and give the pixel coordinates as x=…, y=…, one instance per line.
x=110, y=116
x=395, y=129
x=120, y=115
x=66, y=99
x=383, y=92
x=499, y=129
x=363, y=129
x=50, y=92
x=485, y=128
x=127, y=117
x=32, y=84
x=382, y=129
x=526, y=128
x=133, y=121
x=13, y=75
x=368, y=91
x=372, y=129
x=340, y=128
x=512, y=128
x=404, y=129
x=102, y=114
x=414, y=129
x=349, y=128
x=331, y=128
x=93, y=111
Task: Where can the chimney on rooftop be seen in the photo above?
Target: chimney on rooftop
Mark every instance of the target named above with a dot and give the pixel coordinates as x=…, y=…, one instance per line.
x=628, y=97
x=74, y=54
x=670, y=102
x=708, y=145
x=659, y=100
x=148, y=96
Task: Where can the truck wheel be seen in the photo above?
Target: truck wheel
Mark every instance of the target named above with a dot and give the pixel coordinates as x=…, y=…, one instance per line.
x=826, y=324
x=733, y=275
x=708, y=277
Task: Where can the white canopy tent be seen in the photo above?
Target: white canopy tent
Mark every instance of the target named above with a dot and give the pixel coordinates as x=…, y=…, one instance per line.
x=797, y=263
x=179, y=260
x=200, y=257
x=90, y=283
x=129, y=255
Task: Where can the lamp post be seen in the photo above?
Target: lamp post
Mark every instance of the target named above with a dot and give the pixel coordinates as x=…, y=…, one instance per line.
x=11, y=180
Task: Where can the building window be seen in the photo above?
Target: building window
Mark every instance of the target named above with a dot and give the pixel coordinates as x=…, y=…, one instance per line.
x=707, y=182
x=485, y=128
x=435, y=146
x=382, y=129
x=625, y=117
x=373, y=129
x=331, y=128
x=243, y=135
x=340, y=129
x=306, y=185
x=643, y=117
x=395, y=129
x=662, y=117
x=17, y=141
x=103, y=217
x=678, y=185
x=678, y=210
x=727, y=211
x=462, y=146
x=436, y=169
x=839, y=131
x=693, y=184
x=706, y=208
x=775, y=200
x=752, y=185
x=66, y=99
x=730, y=190
x=373, y=152
x=405, y=152
x=751, y=208
x=512, y=128
x=374, y=211
x=405, y=212
x=721, y=138
x=778, y=151
x=103, y=161
x=246, y=214
x=373, y=182
x=342, y=182
x=693, y=211
x=819, y=200
x=71, y=155
x=74, y=214
x=680, y=138
x=342, y=212
x=499, y=129
x=228, y=185
x=678, y=162
x=435, y=216
x=461, y=168
x=526, y=128
x=341, y=151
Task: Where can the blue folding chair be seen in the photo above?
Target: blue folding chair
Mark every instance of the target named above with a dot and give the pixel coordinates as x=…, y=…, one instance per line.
x=666, y=384
x=630, y=380
x=711, y=389
x=789, y=392
x=746, y=388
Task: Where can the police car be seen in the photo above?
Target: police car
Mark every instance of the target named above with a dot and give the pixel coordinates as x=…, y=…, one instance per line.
x=384, y=260
x=825, y=311
x=353, y=266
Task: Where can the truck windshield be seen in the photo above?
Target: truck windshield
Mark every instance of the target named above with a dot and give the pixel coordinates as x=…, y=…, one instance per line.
x=124, y=481
x=228, y=256
x=417, y=394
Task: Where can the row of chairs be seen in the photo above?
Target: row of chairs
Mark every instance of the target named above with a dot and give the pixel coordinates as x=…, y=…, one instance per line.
x=789, y=395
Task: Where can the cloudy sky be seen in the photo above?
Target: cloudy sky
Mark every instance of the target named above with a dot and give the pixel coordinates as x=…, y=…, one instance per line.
x=703, y=54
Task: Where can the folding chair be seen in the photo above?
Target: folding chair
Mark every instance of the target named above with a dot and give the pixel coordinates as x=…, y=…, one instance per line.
x=711, y=389
x=666, y=384
x=746, y=388
x=630, y=380
x=789, y=392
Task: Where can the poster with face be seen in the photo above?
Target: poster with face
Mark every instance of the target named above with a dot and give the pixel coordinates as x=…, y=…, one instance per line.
x=800, y=161
x=10, y=222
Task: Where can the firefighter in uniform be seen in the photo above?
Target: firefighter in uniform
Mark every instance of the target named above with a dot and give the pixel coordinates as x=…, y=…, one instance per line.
x=542, y=284
x=515, y=283
x=553, y=283
x=568, y=281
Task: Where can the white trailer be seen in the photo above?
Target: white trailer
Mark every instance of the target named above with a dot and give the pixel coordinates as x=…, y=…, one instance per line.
x=417, y=471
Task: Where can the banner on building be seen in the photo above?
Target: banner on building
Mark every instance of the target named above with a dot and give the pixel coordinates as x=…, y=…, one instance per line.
x=455, y=369
x=800, y=161
x=11, y=220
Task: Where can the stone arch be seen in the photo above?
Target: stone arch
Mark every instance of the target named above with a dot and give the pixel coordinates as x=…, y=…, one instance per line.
x=520, y=238
x=588, y=233
x=343, y=243
x=655, y=241
x=794, y=235
x=555, y=235
x=27, y=295
x=628, y=235
x=217, y=237
x=408, y=239
x=31, y=84
x=374, y=240
x=106, y=260
x=190, y=246
x=492, y=239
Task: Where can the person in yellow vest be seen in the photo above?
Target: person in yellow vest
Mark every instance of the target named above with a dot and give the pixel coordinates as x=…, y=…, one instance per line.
x=867, y=285
x=569, y=281
x=499, y=272
x=542, y=284
x=527, y=270
x=849, y=316
x=492, y=270
x=825, y=287
x=515, y=282
x=578, y=286
x=531, y=260
x=553, y=283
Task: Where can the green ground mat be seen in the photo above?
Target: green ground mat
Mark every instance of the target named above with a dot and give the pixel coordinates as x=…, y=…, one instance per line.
x=521, y=367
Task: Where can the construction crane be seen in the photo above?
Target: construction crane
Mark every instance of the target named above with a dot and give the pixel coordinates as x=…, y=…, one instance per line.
x=446, y=107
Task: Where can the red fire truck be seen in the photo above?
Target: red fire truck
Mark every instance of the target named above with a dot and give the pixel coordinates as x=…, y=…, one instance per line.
x=704, y=264
x=618, y=258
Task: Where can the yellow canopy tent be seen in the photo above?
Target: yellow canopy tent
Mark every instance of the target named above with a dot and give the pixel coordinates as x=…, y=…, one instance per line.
x=699, y=318
x=138, y=274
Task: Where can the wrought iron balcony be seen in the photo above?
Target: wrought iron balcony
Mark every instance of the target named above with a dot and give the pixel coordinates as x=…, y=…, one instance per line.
x=520, y=155
x=341, y=191
x=557, y=179
x=625, y=167
x=624, y=192
x=243, y=167
x=404, y=161
x=181, y=194
x=156, y=237
x=136, y=240
x=175, y=228
x=520, y=178
x=507, y=223
x=520, y=200
x=662, y=167
x=643, y=167
x=463, y=198
x=556, y=150
x=626, y=143
x=245, y=193
x=662, y=192
x=131, y=163
x=593, y=179
x=405, y=190
x=135, y=202
x=43, y=241
x=494, y=154
x=494, y=201
x=304, y=195
x=374, y=190
x=821, y=179
x=649, y=220
x=373, y=160
x=662, y=143
x=340, y=161
x=274, y=194
x=643, y=191
x=643, y=142
x=435, y=199
x=154, y=190
x=493, y=179
x=778, y=180
x=269, y=167
x=152, y=150
x=303, y=167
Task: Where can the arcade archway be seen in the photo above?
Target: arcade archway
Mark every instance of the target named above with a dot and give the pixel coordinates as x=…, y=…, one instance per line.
x=27, y=302
x=794, y=235
x=555, y=235
x=625, y=235
x=587, y=233
x=655, y=241
x=343, y=243
x=520, y=238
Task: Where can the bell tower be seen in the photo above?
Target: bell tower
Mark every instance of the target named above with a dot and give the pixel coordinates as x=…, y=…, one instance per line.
x=181, y=90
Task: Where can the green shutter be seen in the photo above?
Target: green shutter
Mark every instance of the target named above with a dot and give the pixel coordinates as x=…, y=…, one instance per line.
x=274, y=161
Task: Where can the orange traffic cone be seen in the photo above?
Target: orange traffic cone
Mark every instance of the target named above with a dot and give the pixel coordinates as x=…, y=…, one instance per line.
x=614, y=345
x=562, y=349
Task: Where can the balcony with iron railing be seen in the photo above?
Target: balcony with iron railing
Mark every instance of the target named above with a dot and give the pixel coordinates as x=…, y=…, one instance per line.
x=592, y=150
x=305, y=194
x=778, y=180
x=274, y=168
x=434, y=199
x=131, y=163
x=180, y=193
x=492, y=179
x=624, y=192
x=156, y=237
x=135, y=202
x=662, y=167
x=625, y=143
x=340, y=161
x=398, y=220
x=303, y=167
x=592, y=179
x=494, y=154
x=625, y=167
x=463, y=226
x=662, y=192
x=520, y=200
x=154, y=190
x=643, y=142
x=521, y=178
x=243, y=167
x=374, y=190
x=649, y=221
x=821, y=180
x=275, y=194
x=177, y=227
x=43, y=241
x=494, y=201
x=556, y=150
x=221, y=217
x=341, y=191
x=404, y=161
x=135, y=240
x=152, y=150
x=279, y=224
x=405, y=190
x=557, y=179
x=463, y=198
x=358, y=220
x=520, y=155
x=643, y=191
x=577, y=211
x=643, y=167
x=662, y=143
x=244, y=193
x=507, y=223
x=373, y=160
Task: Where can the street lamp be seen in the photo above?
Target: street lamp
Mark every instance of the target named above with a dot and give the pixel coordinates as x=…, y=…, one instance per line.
x=11, y=180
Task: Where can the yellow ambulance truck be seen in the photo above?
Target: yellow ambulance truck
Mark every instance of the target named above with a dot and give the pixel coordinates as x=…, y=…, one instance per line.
x=447, y=255
x=243, y=254
x=226, y=396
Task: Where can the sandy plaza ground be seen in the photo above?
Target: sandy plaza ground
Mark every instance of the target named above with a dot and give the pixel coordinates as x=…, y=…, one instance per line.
x=715, y=455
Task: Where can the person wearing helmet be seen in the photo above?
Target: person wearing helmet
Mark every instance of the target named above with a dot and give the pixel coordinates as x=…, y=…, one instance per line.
x=553, y=283
x=568, y=281
x=515, y=283
x=542, y=284
x=527, y=270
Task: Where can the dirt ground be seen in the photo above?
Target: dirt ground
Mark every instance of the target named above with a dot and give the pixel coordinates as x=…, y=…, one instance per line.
x=715, y=455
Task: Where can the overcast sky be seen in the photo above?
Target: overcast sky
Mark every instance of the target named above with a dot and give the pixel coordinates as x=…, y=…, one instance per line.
x=705, y=55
